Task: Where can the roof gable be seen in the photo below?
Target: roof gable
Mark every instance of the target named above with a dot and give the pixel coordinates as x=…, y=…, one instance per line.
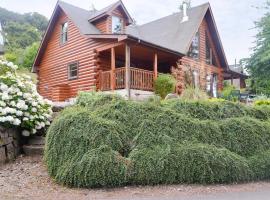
x=108, y=11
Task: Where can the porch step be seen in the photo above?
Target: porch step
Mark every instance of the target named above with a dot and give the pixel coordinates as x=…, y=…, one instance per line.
x=31, y=150
x=36, y=140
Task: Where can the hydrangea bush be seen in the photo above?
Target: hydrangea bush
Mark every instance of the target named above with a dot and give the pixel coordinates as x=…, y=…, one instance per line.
x=20, y=104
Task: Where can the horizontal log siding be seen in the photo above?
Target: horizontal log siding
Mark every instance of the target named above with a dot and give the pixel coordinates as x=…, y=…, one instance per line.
x=103, y=24
x=200, y=65
x=53, y=69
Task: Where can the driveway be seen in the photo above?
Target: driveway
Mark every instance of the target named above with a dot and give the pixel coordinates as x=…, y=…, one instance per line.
x=27, y=178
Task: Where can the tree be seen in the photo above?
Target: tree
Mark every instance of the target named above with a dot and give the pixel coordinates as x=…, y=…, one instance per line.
x=258, y=65
x=29, y=55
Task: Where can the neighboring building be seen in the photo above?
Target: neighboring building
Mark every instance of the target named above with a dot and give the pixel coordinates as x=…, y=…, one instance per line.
x=84, y=50
x=237, y=77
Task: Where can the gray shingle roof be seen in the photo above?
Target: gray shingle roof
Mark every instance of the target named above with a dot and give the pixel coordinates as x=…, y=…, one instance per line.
x=169, y=31
x=79, y=17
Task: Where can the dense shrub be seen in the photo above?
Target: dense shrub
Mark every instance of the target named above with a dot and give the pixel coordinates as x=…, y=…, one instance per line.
x=260, y=164
x=262, y=102
x=164, y=85
x=107, y=141
x=207, y=164
x=187, y=163
x=245, y=136
x=74, y=141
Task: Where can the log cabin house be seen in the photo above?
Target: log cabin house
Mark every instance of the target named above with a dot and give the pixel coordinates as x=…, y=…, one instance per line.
x=104, y=50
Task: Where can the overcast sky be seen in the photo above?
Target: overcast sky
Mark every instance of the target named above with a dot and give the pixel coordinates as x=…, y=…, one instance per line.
x=234, y=17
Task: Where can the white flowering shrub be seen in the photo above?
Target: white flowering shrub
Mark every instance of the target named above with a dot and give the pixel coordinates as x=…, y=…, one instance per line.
x=20, y=104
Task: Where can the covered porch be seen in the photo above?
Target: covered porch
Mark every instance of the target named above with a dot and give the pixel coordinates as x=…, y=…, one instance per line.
x=131, y=66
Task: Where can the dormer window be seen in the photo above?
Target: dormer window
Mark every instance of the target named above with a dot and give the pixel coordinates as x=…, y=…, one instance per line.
x=117, y=24
x=194, y=47
x=64, y=33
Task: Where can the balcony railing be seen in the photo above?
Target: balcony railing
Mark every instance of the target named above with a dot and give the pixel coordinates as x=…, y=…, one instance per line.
x=139, y=79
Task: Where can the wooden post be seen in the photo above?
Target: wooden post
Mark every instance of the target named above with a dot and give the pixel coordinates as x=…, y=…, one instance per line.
x=128, y=70
x=113, y=69
x=155, y=66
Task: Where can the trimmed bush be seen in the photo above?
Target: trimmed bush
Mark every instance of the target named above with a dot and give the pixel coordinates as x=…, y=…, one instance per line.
x=206, y=164
x=105, y=141
x=164, y=85
x=74, y=138
x=260, y=164
x=245, y=136
x=150, y=166
x=187, y=163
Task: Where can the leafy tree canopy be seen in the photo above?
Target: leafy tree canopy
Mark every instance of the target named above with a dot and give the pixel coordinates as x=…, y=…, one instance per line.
x=23, y=33
x=258, y=64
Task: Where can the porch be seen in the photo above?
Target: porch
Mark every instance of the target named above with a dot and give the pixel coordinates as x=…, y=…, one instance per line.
x=131, y=67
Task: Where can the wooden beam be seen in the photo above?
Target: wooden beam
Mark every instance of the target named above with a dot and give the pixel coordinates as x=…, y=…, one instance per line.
x=112, y=68
x=128, y=70
x=109, y=46
x=155, y=66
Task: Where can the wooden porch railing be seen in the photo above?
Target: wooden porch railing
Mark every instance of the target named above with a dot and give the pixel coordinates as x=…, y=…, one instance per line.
x=139, y=79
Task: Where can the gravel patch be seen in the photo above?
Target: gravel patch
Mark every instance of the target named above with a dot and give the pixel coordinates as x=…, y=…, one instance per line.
x=27, y=178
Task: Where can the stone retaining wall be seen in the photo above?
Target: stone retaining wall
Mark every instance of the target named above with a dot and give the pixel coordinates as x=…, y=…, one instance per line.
x=9, y=144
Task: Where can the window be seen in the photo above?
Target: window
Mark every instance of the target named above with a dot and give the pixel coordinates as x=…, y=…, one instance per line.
x=194, y=47
x=73, y=71
x=117, y=25
x=215, y=85
x=64, y=33
x=196, y=80
x=208, y=84
x=210, y=59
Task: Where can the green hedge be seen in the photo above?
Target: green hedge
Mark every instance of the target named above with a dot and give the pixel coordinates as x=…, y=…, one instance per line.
x=107, y=141
x=260, y=165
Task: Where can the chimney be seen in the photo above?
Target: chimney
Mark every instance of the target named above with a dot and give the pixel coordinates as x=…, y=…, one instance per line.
x=185, y=16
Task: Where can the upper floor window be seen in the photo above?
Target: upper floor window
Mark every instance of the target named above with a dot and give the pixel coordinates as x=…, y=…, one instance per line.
x=64, y=33
x=194, y=47
x=73, y=71
x=117, y=25
x=210, y=59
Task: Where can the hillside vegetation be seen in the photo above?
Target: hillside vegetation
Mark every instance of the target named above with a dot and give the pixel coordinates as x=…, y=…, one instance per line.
x=22, y=32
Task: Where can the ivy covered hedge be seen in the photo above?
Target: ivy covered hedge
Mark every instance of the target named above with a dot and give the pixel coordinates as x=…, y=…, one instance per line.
x=105, y=141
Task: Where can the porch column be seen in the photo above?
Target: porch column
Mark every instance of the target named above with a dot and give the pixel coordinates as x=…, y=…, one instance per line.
x=155, y=66
x=128, y=70
x=113, y=68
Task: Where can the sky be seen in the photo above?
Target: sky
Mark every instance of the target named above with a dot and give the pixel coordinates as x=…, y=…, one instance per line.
x=234, y=18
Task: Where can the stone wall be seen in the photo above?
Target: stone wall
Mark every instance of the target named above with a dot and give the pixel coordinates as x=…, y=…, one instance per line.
x=9, y=144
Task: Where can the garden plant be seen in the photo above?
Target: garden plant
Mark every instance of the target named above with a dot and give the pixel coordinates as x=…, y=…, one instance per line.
x=105, y=141
x=20, y=104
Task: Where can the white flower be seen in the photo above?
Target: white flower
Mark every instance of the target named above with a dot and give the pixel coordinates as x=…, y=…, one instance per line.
x=34, y=110
x=3, y=87
x=16, y=122
x=26, y=133
x=3, y=104
x=19, y=113
x=34, y=103
x=34, y=131
x=25, y=119
x=5, y=96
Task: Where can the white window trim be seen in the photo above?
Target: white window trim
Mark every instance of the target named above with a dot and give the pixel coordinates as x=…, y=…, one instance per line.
x=69, y=70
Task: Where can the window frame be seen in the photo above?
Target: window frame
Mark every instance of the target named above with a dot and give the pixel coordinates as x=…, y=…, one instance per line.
x=64, y=33
x=121, y=22
x=197, y=34
x=69, y=65
x=196, y=78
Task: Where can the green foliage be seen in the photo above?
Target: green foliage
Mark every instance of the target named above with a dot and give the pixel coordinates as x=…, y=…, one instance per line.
x=260, y=165
x=227, y=91
x=192, y=93
x=258, y=63
x=29, y=55
x=199, y=163
x=22, y=33
x=107, y=141
x=164, y=85
x=265, y=102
